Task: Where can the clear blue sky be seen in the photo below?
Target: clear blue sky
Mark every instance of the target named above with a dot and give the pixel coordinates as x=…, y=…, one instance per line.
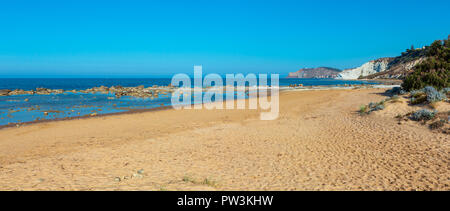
x=160, y=38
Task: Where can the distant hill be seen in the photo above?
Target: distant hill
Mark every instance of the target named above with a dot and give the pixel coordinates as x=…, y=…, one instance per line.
x=320, y=72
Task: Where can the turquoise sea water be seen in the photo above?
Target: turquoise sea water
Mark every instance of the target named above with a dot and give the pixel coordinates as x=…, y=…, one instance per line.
x=27, y=108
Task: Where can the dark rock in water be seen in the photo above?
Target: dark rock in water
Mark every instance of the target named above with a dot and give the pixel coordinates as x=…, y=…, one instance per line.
x=4, y=92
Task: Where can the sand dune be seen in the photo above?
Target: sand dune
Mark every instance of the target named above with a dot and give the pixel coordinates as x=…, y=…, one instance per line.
x=319, y=142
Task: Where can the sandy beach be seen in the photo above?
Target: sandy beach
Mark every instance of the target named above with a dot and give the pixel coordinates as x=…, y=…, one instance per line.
x=319, y=142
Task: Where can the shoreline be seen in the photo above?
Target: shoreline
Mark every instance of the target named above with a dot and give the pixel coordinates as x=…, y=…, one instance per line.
x=128, y=111
x=319, y=142
x=132, y=111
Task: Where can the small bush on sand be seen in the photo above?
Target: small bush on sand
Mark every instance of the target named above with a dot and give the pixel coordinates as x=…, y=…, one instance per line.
x=208, y=182
x=433, y=95
x=378, y=107
x=372, y=107
x=423, y=114
x=437, y=124
x=418, y=100
x=395, y=91
x=363, y=109
x=416, y=93
x=418, y=96
x=205, y=181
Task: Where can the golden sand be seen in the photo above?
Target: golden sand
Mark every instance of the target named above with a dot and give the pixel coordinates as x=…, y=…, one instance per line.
x=319, y=142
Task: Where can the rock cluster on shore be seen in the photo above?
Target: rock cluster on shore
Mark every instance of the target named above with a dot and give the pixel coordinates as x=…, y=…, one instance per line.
x=119, y=91
x=140, y=91
x=4, y=92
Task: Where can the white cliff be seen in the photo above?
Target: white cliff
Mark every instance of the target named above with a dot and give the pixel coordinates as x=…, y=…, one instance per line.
x=369, y=68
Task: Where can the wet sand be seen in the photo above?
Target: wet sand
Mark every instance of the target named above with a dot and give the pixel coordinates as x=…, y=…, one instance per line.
x=319, y=142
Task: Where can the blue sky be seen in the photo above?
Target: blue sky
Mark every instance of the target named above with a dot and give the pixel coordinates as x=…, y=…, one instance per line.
x=161, y=38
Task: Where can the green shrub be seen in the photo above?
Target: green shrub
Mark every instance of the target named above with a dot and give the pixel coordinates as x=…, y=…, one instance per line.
x=417, y=93
x=433, y=71
x=395, y=91
x=376, y=106
x=363, y=109
x=419, y=99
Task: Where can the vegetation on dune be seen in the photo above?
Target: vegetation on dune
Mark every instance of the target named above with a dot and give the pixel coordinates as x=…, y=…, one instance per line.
x=433, y=95
x=437, y=125
x=363, y=109
x=395, y=91
x=423, y=114
x=419, y=99
x=428, y=94
x=434, y=70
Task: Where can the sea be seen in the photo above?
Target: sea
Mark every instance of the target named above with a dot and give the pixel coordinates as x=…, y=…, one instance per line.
x=18, y=109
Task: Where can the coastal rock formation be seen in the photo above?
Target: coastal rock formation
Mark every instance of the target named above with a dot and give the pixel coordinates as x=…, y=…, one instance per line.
x=45, y=91
x=396, y=71
x=369, y=68
x=402, y=65
x=4, y=92
x=20, y=92
x=320, y=72
x=384, y=68
x=118, y=91
x=388, y=68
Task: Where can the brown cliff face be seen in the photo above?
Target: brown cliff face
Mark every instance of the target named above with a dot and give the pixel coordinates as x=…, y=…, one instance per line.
x=320, y=72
